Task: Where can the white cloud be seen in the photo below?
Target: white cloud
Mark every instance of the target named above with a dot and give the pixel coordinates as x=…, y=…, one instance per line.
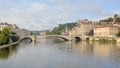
x=39, y=6
x=40, y=16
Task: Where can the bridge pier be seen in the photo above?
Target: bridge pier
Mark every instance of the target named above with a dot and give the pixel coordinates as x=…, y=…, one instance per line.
x=71, y=37
x=33, y=38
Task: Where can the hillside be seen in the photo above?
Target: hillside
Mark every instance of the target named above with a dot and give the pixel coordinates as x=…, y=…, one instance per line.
x=61, y=27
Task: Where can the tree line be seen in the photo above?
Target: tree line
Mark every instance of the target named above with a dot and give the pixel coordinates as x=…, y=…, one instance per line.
x=114, y=19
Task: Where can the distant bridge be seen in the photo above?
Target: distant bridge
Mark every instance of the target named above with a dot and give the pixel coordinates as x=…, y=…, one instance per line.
x=65, y=37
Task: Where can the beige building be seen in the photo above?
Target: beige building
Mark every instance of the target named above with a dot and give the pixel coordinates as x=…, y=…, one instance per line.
x=106, y=31
x=3, y=25
x=10, y=26
x=116, y=24
x=83, y=28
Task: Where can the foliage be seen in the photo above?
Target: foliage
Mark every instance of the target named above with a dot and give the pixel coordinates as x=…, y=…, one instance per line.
x=108, y=21
x=91, y=33
x=87, y=39
x=116, y=18
x=107, y=40
x=35, y=32
x=113, y=40
x=3, y=39
x=115, y=15
x=102, y=40
x=57, y=30
x=6, y=31
x=14, y=38
x=118, y=34
x=5, y=36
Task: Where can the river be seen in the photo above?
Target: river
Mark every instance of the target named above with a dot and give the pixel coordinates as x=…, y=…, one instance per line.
x=50, y=53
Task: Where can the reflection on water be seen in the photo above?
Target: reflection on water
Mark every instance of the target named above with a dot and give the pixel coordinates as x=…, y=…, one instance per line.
x=49, y=53
x=7, y=52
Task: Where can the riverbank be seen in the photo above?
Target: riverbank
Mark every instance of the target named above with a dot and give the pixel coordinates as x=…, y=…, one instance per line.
x=103, y=39
x=7, y=45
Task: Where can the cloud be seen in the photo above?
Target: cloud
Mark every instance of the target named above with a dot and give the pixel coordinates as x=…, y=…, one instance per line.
x=39, y=6
x=41, y=15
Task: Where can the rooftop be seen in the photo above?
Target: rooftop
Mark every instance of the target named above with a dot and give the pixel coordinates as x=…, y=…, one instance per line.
x=104, y=26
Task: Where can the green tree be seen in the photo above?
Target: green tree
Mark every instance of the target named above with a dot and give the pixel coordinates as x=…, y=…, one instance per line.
x=118, y=35
x=115, y=15
x=14, y=38
x=3, y=39
x=110, y=19
x=6, y=31
x=91, y=33
x=117, y=19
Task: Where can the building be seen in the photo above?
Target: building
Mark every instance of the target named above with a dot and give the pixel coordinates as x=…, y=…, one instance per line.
x=43, y=33
x=106, y=31
x=116, y=24
x=83, y=28
x=11, y=27
x=3, y=25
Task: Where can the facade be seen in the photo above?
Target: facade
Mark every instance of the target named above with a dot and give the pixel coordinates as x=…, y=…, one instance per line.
x=10, y=26
x=75, y=31
x=106, y=31
x=116, y=24
x=3, y=25
x=82, y=29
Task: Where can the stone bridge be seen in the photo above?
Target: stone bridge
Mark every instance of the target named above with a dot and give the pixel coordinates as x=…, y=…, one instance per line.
x=65, y=37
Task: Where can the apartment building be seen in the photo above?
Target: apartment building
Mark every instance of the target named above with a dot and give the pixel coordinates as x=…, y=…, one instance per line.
x=3, y=25
x=106, y=31
x=10, y=26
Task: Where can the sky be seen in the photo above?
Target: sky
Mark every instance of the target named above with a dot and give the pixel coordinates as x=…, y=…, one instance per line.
x=46, y=14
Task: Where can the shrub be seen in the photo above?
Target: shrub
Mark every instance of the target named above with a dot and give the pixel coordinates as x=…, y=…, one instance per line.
x=87, y=39
x=102, y=40
x=3, y=39
x=14, y=38
x=5, y=31
x=113, y=40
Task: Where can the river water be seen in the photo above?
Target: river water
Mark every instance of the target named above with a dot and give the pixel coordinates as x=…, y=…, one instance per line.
x=50, y=53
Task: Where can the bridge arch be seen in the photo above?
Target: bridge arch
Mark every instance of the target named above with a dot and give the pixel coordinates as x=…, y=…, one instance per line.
x=24, y=38
x=77, y=38
x=59, y=37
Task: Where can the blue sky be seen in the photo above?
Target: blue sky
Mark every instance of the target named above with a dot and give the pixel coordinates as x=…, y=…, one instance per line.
x=46, y=14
